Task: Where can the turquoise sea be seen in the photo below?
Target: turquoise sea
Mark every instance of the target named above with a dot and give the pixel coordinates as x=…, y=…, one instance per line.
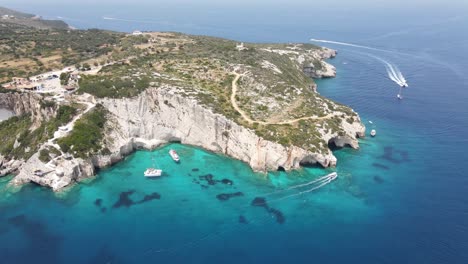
x=401, y=198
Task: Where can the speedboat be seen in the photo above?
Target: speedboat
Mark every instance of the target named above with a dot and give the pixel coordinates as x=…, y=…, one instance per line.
x=373, y=133
x=174, y=155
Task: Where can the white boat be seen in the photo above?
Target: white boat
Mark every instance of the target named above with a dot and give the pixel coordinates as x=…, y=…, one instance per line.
x=174, y=155
x=153, y=172
x=373, y=133
x=333, y=176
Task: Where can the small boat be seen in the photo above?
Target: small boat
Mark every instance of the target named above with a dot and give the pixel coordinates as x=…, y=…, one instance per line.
x=333, y=176
x=174, y=155
x=153, y=172
x=373, y=133
x=399, y=96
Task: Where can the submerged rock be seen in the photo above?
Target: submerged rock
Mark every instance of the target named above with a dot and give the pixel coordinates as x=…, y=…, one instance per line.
x=227, y=182
x=98, y=202
x=227, y=196
x=378, y=179
x=381, y=166
x=209, y=178
x=124, y=200
x=150, y=197
x=259, y=201
x=278, y=215
x=243, y=220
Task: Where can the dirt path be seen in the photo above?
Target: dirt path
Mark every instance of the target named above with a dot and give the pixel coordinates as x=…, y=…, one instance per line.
x=250, y=121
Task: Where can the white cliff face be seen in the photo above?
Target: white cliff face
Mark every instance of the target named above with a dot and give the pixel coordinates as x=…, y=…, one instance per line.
x=159, y=116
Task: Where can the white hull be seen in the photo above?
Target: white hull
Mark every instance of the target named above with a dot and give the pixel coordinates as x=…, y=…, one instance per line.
x=153, y=173
x=174, y=155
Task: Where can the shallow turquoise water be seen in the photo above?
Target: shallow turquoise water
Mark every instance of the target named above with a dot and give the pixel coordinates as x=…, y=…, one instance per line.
x=188, y=218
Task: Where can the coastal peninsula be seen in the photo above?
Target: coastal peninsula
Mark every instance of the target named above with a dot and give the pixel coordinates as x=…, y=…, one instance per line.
x=85, y=99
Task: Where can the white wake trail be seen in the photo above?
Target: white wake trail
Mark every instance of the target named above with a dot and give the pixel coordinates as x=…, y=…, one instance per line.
x=393, y=72
x=316, y=181
x=351, y=45
x=134, y=20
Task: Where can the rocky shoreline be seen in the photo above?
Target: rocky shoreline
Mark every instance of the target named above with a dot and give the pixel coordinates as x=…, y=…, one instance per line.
x=160, y=116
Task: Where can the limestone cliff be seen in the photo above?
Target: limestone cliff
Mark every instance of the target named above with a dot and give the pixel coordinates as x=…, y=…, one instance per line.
x=159, y=116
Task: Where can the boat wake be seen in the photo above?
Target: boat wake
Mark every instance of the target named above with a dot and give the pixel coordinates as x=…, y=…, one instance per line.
x=351, y=45
x=393, y=72
x=308, y=186
x=136, y=20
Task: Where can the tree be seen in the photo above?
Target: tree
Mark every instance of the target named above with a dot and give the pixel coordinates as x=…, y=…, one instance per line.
x=64, y=77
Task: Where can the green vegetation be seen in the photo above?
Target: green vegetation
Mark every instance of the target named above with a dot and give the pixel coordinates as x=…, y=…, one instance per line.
x=113, y=86
x=26, y=51
x=86, y=137
x=46, y=154
x=64, y=77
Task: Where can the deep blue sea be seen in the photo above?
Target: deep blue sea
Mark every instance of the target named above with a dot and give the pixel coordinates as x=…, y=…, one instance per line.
x=401, y=198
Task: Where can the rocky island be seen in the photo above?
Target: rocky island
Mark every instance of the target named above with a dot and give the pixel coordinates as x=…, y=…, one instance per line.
x=85, y=99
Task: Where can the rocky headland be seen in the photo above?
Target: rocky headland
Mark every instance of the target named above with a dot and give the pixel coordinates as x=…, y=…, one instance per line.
x=275, y=120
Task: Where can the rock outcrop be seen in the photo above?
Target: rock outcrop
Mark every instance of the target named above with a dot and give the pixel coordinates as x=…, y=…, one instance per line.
x=27, y=103
x=323, y=69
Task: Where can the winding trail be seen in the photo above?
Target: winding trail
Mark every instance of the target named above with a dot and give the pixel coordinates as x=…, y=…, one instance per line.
x=251, y=121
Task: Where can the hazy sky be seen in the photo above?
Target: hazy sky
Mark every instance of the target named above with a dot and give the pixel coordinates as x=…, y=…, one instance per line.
x=329, y=3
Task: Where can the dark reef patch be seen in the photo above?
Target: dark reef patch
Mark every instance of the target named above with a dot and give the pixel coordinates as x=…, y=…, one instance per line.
x=390, y=153
x=209, y=178
x=227, y=182
x=277, y=214
x=195, y=169
x=381, y=166
x=124, y=200
x=378, y=179
x=98, y=202
x=227, y=196
x=261, y=202
x=150, y=197
x=243, y=220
